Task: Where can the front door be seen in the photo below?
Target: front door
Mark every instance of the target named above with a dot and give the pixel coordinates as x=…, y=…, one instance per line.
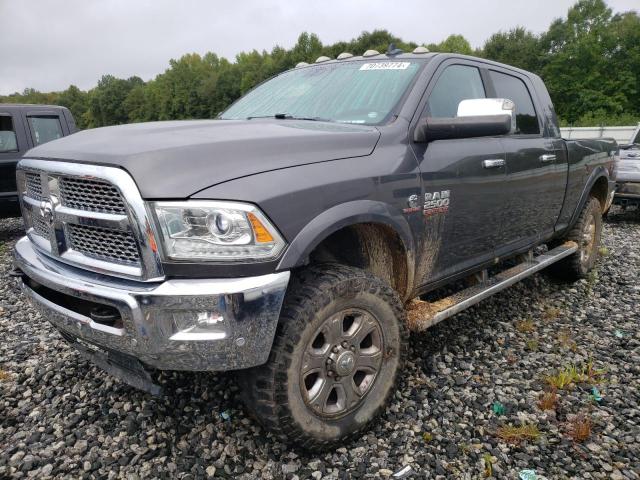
x=461, y=182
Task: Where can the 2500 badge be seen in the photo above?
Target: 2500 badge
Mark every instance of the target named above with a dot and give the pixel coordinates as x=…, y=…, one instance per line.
x=434, y=203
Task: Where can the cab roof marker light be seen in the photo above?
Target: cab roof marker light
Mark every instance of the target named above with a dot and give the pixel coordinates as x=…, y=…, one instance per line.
x=322, y=59
x=420, y=50
x=301, y=64
x=344, y=55
x=371, y=53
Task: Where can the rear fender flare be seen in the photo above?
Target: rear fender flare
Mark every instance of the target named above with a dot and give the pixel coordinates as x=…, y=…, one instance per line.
x=598, y=172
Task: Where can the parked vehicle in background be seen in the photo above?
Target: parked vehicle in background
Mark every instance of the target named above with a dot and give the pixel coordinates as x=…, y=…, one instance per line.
x=627, y=173
x=23, y=127
x=285, y=238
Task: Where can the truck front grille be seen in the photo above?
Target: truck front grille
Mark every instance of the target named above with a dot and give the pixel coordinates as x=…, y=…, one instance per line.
x=34, y=185
x=103, y=244
x=40, y=227
x=91, y=195
x=89, y=216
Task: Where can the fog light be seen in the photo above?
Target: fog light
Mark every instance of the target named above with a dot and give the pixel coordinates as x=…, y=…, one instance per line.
x=192, y=325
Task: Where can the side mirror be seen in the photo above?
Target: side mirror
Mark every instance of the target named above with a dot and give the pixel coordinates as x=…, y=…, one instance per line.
x=481, y=117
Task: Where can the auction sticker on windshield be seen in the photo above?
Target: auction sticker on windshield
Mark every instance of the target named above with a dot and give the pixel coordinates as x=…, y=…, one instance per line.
x=386, y=66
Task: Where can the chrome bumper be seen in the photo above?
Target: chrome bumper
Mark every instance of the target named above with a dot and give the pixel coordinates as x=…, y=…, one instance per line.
x=208, y=324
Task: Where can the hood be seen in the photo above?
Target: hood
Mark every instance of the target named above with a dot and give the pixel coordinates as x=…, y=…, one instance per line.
x=179, y=158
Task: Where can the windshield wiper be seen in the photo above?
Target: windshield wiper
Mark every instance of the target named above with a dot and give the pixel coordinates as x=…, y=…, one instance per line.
x=287, y=116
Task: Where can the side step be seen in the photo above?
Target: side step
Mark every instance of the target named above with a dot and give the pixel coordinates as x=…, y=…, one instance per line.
x=422, y=315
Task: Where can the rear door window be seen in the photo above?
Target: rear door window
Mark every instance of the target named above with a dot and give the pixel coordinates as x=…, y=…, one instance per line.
x=508, y=86
x=457, y=83
x=8, y=140
x=45, y=128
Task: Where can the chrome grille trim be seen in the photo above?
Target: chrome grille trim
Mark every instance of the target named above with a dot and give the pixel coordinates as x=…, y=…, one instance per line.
x=103, y=243
x=91, y=195
x=130, y=218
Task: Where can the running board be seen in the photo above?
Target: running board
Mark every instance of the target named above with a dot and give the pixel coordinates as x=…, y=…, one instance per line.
x=422, y=315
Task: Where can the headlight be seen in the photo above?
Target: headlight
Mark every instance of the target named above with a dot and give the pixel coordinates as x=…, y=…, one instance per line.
x=217, y=231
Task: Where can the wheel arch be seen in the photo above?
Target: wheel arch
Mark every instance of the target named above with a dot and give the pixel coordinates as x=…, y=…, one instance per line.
x=373, y=235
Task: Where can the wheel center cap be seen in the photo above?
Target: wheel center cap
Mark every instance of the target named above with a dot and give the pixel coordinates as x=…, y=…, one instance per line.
x=345, y=363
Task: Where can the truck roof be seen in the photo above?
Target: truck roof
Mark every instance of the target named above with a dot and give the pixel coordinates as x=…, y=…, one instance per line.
x=30, y=106
x=419, y=56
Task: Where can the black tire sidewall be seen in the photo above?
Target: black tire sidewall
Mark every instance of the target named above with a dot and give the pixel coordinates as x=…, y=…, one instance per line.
x=335, y=428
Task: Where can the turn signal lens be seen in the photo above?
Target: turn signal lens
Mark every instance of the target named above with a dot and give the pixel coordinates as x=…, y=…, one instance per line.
x=262, y=235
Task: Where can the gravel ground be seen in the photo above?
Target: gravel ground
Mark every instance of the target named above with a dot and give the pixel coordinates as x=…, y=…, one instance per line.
x=466, y=379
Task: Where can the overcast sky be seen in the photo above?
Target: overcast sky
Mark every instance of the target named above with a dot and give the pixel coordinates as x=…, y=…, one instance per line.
x=50, y=44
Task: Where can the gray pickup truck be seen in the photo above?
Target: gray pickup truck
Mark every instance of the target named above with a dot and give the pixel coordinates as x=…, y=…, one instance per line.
x=627, y=173
x=23, y=127
x=286, y=238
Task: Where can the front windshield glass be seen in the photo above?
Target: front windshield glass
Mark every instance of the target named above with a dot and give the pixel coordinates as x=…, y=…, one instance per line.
x=350, y=92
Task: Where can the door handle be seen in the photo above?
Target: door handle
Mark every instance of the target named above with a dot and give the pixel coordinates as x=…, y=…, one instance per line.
x=493, y=163
x=547, y=158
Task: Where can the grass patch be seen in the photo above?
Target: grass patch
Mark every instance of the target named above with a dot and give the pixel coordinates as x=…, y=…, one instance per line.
x=548, y=400
x=603, y=251
x=570, y=375
x=487, y=458
x=551, y=313
x=566, y=340
x=427, y=437
x=526, y=326
x=579, y=428
x=533, y=345
x=518, y=434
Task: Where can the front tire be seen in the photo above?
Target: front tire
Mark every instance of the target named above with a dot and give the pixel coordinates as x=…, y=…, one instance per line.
x=586, y=233
x=340, y=344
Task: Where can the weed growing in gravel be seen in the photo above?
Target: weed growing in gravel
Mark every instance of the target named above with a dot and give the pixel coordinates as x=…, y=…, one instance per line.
x=518, y=434
x=4, y=375
x=532, y=345
x=568, y=343
x=427, y=437
x=548, y=400
x=579, y=428
x=487, y=458
x=603, y=251
x=570, y=375
x=592, y=279
x=526, y=326
x=551, y=313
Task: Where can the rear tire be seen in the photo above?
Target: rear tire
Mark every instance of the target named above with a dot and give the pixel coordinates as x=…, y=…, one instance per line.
x=340, y=344
x=586, y=233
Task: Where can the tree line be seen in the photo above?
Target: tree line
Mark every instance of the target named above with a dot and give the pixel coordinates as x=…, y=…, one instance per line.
x=590, y=61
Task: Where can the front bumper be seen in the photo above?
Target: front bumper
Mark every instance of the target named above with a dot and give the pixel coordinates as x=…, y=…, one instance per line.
x=198, y=325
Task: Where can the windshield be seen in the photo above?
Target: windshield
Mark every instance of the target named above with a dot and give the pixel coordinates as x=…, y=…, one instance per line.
x=637, y=139
x=350, y=92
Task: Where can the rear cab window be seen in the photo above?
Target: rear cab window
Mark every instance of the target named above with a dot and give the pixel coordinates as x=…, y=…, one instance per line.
x=8, y=140
x=45, y=128
x=513, y=88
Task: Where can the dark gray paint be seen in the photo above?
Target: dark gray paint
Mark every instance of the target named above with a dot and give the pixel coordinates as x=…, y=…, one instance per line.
x=312, y=178
x=9, y=205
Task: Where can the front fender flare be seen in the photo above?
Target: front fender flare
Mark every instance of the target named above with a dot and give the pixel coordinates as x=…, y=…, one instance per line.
x=343, y=215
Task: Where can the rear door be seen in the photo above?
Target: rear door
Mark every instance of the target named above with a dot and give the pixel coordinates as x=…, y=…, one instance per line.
x=461, y=180
x=13, y=144
x=536, y=168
